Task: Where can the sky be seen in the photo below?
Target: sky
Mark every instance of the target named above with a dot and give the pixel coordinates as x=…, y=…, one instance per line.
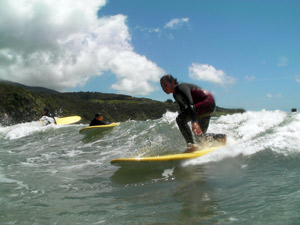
x=245, y=52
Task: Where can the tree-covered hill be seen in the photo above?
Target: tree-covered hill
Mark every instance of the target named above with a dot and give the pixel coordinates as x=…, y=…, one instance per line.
x=24, y=104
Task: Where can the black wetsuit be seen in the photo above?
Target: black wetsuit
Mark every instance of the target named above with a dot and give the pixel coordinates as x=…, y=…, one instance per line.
x=196, y=105
x=96, y=122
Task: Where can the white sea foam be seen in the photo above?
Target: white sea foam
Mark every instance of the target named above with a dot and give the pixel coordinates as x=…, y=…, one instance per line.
x=168, y=173
x=81, y=165
x=5, y=180
x=252, y=132
x=169, y=116
x=24, y=129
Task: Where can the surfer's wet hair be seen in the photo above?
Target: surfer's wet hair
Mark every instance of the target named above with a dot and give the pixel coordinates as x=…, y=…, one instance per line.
x=169, y=78
x=98, y=114
x=46, y=110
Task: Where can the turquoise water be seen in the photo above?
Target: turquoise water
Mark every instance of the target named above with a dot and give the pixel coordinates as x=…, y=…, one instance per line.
x=54, y=175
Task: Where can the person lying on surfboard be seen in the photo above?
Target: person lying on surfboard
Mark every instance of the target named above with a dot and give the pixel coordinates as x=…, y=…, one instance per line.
x=98, y=120
x=196, y=105
x=47, y=117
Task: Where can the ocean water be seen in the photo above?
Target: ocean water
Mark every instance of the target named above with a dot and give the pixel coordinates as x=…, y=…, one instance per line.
x=54, y=175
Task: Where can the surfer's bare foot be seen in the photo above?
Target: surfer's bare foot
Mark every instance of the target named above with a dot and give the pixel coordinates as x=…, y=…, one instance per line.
x=191, y=148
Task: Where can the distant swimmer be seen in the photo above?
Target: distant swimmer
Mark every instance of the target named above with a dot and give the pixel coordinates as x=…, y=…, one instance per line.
x=98, y=120
x=47, y=117
x=5, y=120
x=195, y=105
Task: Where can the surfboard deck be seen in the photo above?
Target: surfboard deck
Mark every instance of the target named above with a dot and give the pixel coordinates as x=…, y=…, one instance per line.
x=97, y=129
x=172, y=158
x=67, y=120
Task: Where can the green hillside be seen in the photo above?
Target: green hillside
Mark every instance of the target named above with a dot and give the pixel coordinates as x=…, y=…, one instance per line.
x=25, y=104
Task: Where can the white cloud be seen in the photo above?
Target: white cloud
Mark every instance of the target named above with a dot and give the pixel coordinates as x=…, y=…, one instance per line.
x=208, y=73
x=249, y=78
x=154, y=30
x=131, y=70
x=283, y=61
x=176, y=23
x=274, y=96
x=298, y=79
x=61, y=44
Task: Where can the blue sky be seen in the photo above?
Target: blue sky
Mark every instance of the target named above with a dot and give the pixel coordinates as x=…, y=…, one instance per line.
x=246, y=53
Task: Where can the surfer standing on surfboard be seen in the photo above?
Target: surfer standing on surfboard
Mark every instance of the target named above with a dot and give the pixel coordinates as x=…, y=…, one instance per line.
x=196, y=105
x=98, y=120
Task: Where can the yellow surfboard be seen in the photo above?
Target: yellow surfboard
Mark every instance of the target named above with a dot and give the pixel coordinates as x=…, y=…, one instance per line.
x=67, y=120
x=97, y=129
x=164, y=158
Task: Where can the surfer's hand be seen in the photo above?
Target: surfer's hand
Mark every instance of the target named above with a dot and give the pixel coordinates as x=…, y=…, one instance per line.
x=196, y=129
